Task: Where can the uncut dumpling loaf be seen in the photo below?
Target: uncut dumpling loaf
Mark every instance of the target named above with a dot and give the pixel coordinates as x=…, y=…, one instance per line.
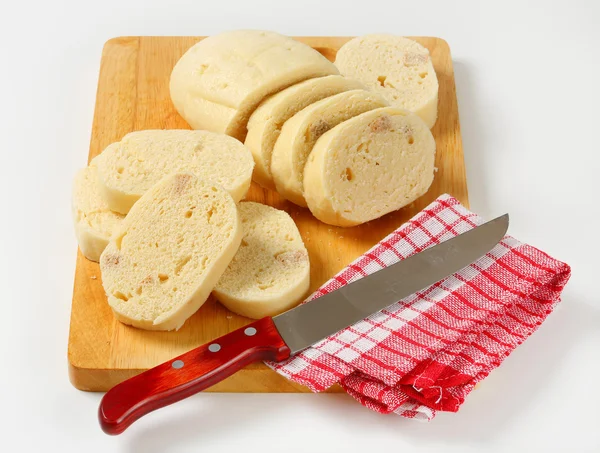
x=265, y=123
x=370, y=165
x=162, y=263
x=127, y=169
x=94, y=221
x=300, y=133
x=398, y=68
x=270, y=272
x=218, y=83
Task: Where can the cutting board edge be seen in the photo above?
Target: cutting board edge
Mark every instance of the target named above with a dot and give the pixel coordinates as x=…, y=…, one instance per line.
x=259, y=379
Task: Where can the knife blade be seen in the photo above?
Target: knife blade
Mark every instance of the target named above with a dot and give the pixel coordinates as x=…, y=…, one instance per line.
x=308, y=324
x=275, y=339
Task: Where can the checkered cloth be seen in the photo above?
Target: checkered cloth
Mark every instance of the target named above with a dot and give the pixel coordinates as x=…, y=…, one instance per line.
x=426, y=353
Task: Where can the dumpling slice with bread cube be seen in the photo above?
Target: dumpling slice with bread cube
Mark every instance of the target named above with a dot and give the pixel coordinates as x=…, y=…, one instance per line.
x=271, y=271
x=94, y=221
x=368, y=166
x=127, y=169
x=265, y=123
x=300, y=133
x=170, y=251
x=398, y=68
x=219, y=82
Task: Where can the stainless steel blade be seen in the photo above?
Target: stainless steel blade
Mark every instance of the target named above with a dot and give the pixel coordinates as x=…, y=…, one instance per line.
x=309, y=323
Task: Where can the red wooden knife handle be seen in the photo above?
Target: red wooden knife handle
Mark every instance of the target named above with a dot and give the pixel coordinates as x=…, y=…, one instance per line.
x=189, y=373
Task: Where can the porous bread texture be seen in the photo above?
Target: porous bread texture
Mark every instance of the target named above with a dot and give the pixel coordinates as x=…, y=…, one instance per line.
x=270, y=273
x=93, y=220
x=127, y=169
x=398, y=68
x=301, y=132
x=217, y=83
x=368, y=166
x=265, y=123
x=162, y=263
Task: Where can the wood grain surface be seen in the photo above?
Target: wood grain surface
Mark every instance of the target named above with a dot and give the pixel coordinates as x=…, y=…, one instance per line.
x=133, y=95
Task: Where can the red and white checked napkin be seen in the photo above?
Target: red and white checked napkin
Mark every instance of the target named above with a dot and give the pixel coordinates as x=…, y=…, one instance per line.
x=427, y=352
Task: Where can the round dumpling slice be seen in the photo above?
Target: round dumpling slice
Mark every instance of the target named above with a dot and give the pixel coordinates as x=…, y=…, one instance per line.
x=368, y=166
x=127, y=169
x=169, y=252
x=270, y=272
x=398, y=68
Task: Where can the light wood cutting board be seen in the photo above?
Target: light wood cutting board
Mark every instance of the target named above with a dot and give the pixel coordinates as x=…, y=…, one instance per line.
x=133, y=95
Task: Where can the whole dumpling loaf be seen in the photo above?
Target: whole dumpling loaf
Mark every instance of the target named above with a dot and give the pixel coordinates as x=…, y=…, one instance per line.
x=218, y=83
x=398, y=68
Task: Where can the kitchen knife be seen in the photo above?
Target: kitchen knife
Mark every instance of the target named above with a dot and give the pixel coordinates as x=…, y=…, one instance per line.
x=275, y=339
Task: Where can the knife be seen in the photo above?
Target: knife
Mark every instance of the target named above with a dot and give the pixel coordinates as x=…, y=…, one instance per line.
x=277, y=338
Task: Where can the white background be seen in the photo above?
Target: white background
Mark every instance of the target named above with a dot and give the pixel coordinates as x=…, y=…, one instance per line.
x=527, y=77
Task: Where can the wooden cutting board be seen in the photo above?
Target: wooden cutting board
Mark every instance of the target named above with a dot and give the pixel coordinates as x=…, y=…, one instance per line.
x=133, y=95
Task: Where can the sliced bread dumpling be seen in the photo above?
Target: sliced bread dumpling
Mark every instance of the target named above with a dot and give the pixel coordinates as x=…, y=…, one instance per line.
x=218, y=82
x=270, y=273
x=265, y=123
x=301, y=132
x=94, y=221
x=162, y=263
x=368, y=166
x=398, y=68
x=127, y=169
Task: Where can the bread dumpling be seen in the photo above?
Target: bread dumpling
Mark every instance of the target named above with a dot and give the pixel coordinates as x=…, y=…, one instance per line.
x=265, y=123
x=217, y=84
x=127, y=169
x=94, y=221
x=300, y=133
x=270, y=273
x=168, y=254
x=398, y=68
x=368, y=166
